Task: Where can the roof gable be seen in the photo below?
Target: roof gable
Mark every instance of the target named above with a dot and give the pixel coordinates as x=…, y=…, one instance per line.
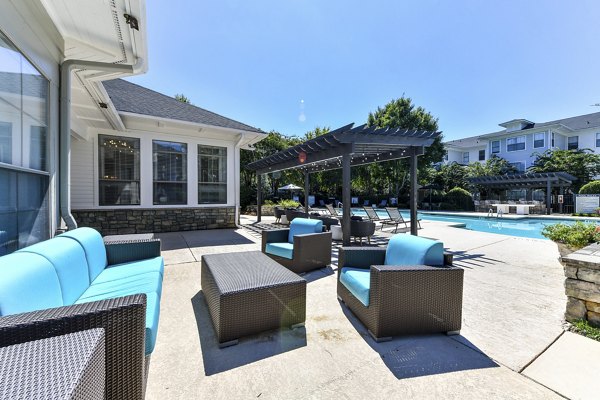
x=132, y=98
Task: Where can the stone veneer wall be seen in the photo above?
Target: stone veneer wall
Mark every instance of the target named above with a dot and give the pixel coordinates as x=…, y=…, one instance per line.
x=155, y=220
x=582, y=269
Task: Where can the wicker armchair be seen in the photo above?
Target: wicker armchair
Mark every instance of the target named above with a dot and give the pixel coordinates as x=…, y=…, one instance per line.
x=361, y=229
x=407, y=299
x=301, y=248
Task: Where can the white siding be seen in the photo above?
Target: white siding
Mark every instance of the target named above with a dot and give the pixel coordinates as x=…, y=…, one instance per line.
x=83, y=184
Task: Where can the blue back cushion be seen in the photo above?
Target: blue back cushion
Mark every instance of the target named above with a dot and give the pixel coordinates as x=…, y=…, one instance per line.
x=302, y=226
x=68, y=258
x=94, y=249
x=413, y=250
x=28, y=282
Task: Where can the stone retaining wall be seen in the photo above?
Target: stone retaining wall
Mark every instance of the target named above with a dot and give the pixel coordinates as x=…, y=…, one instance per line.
x=155, y=220
x=582, y=286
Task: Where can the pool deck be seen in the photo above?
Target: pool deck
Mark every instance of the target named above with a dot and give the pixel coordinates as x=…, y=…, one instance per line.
x=508, y=216
x=512, y=312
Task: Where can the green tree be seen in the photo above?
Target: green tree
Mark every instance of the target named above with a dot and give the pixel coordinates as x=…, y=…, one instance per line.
x=451, y=176
x=582, y=163
x=182, y=98
x=493, y=166
x=392, y=176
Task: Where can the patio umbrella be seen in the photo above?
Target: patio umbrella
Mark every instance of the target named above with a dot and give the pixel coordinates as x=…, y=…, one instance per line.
x=291, y=187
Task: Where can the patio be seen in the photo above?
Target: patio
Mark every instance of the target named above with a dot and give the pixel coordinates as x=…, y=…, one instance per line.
x=512, y=311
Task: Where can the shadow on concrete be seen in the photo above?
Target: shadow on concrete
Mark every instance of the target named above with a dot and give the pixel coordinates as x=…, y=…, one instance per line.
x=249, y=349
x=203, y=238
x=423, y=355
x=317, y=274
x=470, y=260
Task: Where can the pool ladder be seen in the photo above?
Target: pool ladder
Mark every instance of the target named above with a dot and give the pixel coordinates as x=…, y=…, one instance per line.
x=499, y=214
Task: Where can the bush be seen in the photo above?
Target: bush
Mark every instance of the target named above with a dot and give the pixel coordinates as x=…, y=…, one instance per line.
x=575, y=235
x=287, y=203
x=590, y=188
x=461, y=199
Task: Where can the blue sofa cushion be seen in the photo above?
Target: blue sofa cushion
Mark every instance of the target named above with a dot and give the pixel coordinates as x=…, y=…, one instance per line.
x=285, y=250
x=28, y=282
x=118, y=271
x=69, y=261
x=302, y=226
x=358, y=282
x=413, y=250
x=149, y=283
x=93, y=246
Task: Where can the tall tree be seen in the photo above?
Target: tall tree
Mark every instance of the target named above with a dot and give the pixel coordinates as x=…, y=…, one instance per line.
x=582, y=163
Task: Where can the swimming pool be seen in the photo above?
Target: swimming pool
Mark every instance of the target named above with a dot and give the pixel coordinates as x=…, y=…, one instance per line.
x=526, y=227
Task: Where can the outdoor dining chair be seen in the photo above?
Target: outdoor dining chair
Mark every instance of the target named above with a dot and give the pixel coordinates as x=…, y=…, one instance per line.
x=396, y=219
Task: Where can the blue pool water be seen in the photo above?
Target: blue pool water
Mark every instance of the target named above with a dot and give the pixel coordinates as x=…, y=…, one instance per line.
x=526, y=227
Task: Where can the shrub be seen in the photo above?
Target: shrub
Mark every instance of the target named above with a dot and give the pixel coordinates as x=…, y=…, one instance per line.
x=287, y=203
x=584, y=328
x=590, y=188
x=460, y=198
x=576, y=235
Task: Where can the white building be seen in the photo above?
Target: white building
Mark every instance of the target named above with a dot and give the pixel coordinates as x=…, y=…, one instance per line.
x=79, y=145
x=521, y=139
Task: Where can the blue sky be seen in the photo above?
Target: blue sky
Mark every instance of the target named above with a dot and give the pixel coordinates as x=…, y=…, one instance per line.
x=292, y=65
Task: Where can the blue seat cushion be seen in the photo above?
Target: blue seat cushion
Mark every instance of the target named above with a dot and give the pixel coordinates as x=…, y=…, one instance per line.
x=413, y=250
x=69, y=261
x=303, y=226
x=28, y=282
x=285, y=250
x=358, y=282
x=93, y=246
x=149, y=283
x=118, y=271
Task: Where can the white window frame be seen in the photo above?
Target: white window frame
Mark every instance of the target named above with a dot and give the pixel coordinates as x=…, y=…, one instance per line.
x=597, y=139
x=520, y=162
x=574, y=136
x=517, y=138
x=543, y=140
x=492, y=147
x=468, y=157
x=479, y=155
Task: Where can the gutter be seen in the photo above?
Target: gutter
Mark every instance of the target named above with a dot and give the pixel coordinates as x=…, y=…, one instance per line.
x=66, y=69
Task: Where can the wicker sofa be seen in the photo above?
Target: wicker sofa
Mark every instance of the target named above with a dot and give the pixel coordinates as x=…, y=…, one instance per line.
x=75, y=282
x=402, y=289
x=300, y=248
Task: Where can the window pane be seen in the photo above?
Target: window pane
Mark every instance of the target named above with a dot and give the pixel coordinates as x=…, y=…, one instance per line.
x=169, y=172
x=212, y=175
x=598, y=139
x=6, y=142
x=573, y=142
x=10, y=101
x=8, y=212
x=35, y=88
x=37, y=148
x=481, y=155
x=119, y=170
x=515, y=144
x=466, y=158
x=495, y=146
x=539, y=139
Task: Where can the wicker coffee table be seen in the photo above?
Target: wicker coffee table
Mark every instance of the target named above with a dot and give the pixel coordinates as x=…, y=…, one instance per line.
x=249, y=293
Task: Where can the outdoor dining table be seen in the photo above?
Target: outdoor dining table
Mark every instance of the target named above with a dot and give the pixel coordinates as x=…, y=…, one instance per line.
x=523, y=209
x=501, y=207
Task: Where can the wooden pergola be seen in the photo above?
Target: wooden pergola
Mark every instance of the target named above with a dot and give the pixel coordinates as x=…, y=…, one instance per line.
x=344, y=148
x=537, y=180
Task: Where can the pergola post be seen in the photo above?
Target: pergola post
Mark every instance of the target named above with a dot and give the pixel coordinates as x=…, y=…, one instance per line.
x=413, y=192
x=258, y=197
x=306, y=190
x=346, y=199
x=548, y=197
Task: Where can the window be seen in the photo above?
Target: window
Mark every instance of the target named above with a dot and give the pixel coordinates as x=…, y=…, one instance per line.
x=24, y=214
x=539, y=140
x=573, y=143
x=520, y=166
x=212, y=175
x=170, y=172
x=465, y=157
x=495, y=147
x=552, y=139
x=481, y=155
x=515, y=144
x=598, y=139
x=446, y=155
x=119, y=163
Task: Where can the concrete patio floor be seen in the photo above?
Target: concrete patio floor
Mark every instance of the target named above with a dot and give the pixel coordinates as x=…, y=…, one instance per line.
x=512, y=311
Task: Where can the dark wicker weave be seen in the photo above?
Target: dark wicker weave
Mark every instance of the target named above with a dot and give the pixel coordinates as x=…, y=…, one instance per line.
x=278, y=212
x=311, y=251
x=248, y=293
x=63, y=367
x=122, y=251
x=291, y=213
x=123, y=320
x=327, y=221
x=406, y=300
x=361, y=229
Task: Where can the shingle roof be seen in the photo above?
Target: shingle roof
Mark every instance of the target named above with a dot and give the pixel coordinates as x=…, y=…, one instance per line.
x=129, y=97
x=466, y=142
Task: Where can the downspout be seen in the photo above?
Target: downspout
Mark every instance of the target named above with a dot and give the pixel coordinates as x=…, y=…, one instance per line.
x=237, y=180
x=65, y=126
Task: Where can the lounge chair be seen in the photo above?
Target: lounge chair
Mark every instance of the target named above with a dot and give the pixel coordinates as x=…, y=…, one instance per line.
x=332, y=211
x=383, y=204
x=300, y=248
x=366, y=203
x=407, y=288
x=396, y=219
x=372, y=214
